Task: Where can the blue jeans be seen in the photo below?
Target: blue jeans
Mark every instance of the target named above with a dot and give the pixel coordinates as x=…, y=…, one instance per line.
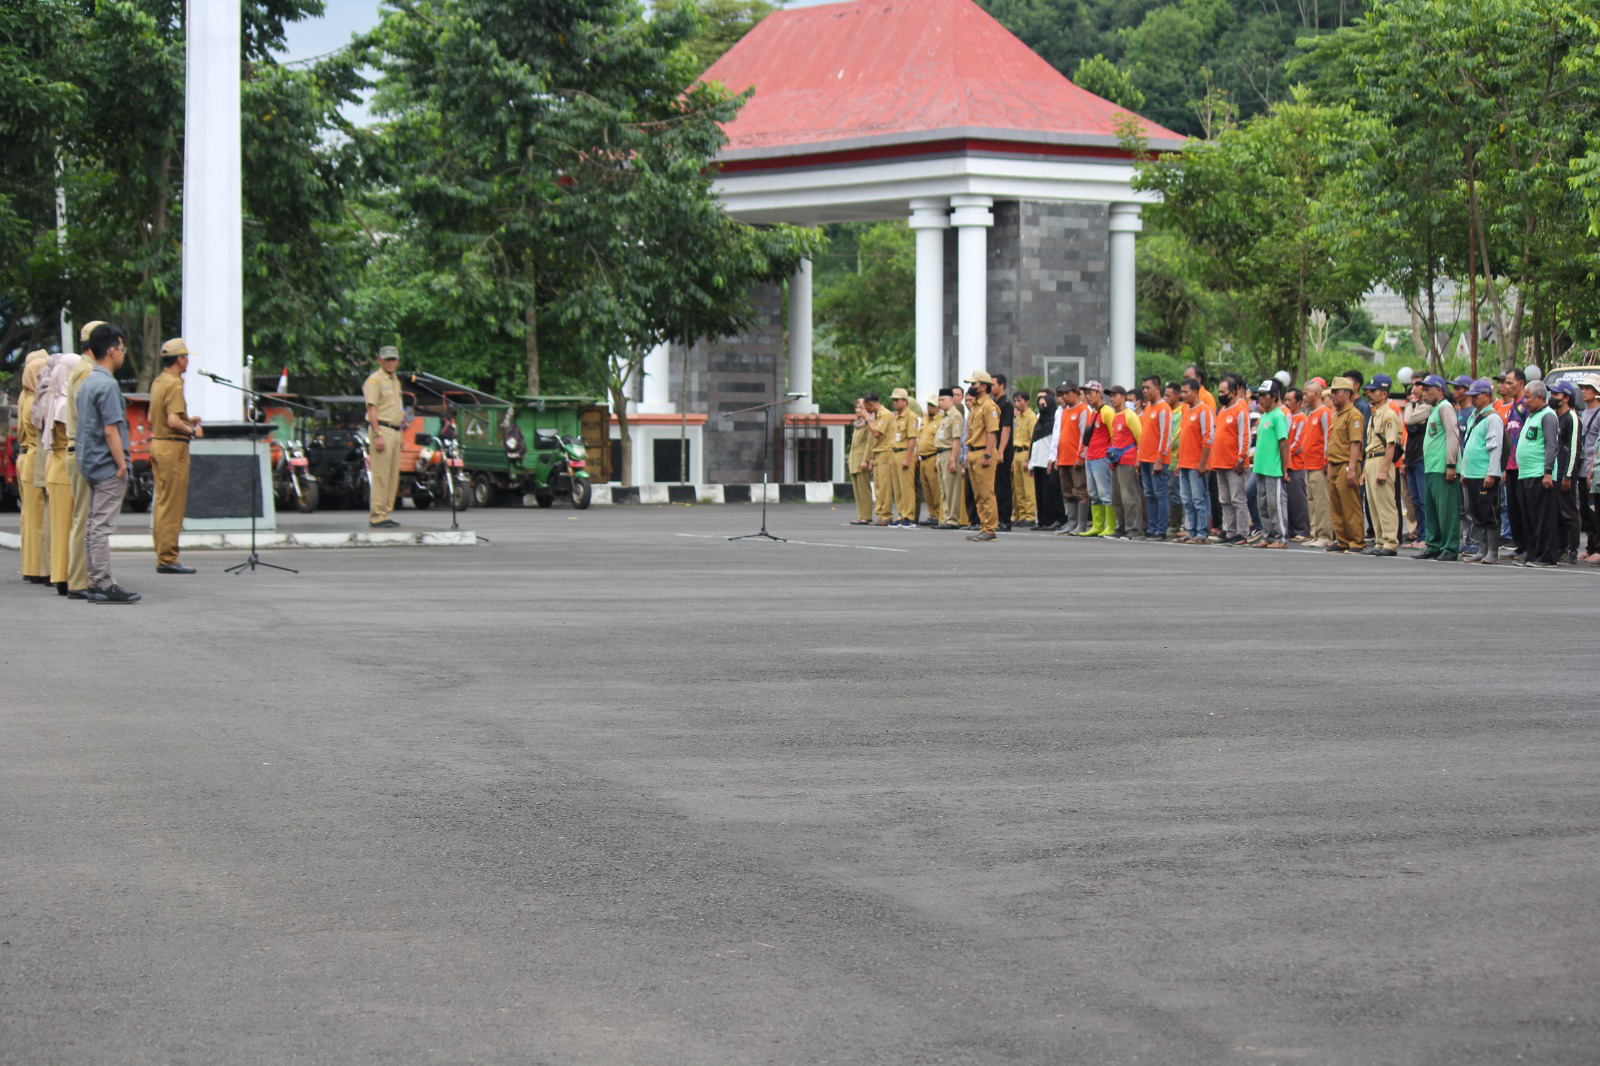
x=1157, y=499
x=1196, y=501
x=1099, y=481
x=1417, y=488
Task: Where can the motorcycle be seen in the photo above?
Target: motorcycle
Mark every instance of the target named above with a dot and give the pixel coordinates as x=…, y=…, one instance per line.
x=569, y=475
x=438, y=470
x=337, y=460
x=292, y=481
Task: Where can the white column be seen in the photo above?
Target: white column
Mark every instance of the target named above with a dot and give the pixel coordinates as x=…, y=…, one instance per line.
x=930, y=218
x=69, y=343
x=657, y=382
x=800, y=340
x=213, y=208
x=972, y=218
x=1125, y=224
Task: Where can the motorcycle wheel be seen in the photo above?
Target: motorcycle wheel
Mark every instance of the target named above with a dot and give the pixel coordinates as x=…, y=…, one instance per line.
x=421, y=500
x=544, y=499
x=482, y=490
x=463, y=493
x=310, y=495
x=580, y=492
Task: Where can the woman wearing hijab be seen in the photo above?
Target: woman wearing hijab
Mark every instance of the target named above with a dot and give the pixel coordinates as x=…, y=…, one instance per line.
x=27, y=452
x=1046, y=486
x=58, y=485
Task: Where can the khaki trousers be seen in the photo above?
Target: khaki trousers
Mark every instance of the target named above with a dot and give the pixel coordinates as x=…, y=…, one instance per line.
x=1349, y=524
x=1381, y=502
x=58, y=489
x=861, y=482
x=33, y=563
x=169, y=462
x=1024, y=506
x=950, y=493
x=932, y=490
x=982, y=478
x=77, y=558
x=105, y=503
x=883, y=486
x=1317, y=499
x=905, y=485
x=385, y=469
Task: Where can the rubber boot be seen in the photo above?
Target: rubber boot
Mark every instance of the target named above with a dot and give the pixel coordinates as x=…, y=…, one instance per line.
x=1076, y=521
x=1491, y=546
x=1093, y=530
x=1110, y=512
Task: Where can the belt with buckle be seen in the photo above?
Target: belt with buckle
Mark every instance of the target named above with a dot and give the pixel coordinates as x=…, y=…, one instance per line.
x=179, y=440
x=387, y=425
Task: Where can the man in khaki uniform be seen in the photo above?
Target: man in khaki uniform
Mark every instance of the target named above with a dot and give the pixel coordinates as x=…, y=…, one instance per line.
x=880, y=425
x=983, y=456
x=906, y=425
x=1344, y=468
x=77, y=558
x=861, y=464
x=384, y=412
x=1024, y=508
x=927, y=462
x=1382, y=452
x=171, y=430
x=947, y=457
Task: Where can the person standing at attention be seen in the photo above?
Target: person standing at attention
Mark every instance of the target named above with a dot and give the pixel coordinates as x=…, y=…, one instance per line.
x=1023, y=421
x=171, y=430
x=983, y=456
x=1155, y=454
x=1345, y=441
x=102, y=448
x=928, y=461
x=385, y=409
x=1382, y=453
x=1441, y=454
x=1269, y=463
x=861, y=464
x=1230, y=447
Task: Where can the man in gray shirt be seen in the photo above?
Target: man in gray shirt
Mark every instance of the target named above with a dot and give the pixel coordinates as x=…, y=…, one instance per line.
x=102, y=450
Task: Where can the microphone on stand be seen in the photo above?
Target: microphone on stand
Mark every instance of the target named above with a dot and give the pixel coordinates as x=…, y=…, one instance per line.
x=214, y=377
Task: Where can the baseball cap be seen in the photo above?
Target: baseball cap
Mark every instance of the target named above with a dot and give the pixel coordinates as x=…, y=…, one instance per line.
x=1566, y=387
x=1462, y=381
x=1067, y=386
x=88, y=328
x=1266, y=387
x=932, y=401
x=1380, y=381
x=899, y=394
x=175, y=347
x=979, y=377
x=388, y=351
x=1481, y=387
x=1094, y=385
x=1434, y=381
x=1318, y=382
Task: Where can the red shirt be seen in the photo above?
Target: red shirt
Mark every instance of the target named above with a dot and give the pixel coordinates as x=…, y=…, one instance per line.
x=1099, y=436
x=1122, y=437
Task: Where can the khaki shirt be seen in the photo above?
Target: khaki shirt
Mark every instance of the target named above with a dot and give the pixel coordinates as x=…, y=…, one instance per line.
x=166, y=397
x=75, y=382
x=1383, y=429
x=985, y=420
x=1343, y=435
x=382, y=391
x=1022, y=431
x=882, y=430
x=928, y=434
x=860, y=447
x=906, y=424
x=948, y=435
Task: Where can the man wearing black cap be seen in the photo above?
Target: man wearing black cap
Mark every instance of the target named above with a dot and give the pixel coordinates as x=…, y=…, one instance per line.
x=1382, y=452
x=1066, y=444
x=1562, y=394
x=1514, y=410
x=1482, y=465
x=1441, y=452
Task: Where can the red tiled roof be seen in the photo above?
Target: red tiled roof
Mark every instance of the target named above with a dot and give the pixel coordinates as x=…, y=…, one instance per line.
x=898, y=71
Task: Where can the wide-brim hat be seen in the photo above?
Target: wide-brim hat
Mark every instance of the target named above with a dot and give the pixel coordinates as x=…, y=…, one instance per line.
x=174, y=348
x=1341, y=383
x=899, y=394
x=979, y=377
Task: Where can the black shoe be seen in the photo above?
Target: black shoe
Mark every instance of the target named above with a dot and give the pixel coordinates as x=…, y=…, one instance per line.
x=117, y=594
x=387, y=523
x=1334, y=548
x=61, y=588
x=1004, y=527
x=174, y=568
x=1449, y=557
x=1543, y=565
x=1426, y=555
x=77, y=594
x=1386, y=552
x=36, y=579
x=1370, y=549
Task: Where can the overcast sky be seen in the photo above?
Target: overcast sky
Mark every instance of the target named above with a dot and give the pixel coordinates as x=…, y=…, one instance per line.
x=313, y=37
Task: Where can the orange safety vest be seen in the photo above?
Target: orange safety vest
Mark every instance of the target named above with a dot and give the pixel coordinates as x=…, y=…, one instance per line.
x=1155, y=441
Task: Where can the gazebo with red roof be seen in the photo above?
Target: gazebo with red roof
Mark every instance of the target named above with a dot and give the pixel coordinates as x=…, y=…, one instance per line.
x=930, y=110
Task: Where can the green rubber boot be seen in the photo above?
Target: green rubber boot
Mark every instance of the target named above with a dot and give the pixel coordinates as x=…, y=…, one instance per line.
x=1110, y=529
x=1094, y=527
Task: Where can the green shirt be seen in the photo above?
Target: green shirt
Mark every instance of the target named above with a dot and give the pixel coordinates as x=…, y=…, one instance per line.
x=1271, y=431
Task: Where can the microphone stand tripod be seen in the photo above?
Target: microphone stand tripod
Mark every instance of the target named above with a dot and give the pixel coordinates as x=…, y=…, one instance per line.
x=255, y=471
x=766, y=459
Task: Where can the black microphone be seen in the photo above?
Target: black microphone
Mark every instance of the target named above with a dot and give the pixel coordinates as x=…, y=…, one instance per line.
x=215, y=377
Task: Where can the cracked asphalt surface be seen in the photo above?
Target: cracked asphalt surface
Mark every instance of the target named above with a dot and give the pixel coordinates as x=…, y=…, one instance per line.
x=611, y=789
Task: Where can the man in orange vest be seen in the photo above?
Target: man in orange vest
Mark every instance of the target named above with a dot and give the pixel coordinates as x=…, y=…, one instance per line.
x=1313, y=443
x=1127, y=497
x=1230, y=448
x=1155, y=452
x=1066, y=444
x=1196, y=425
x=1295, y=476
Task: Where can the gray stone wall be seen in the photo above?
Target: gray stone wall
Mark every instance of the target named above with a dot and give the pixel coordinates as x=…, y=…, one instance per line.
x=733, y=373
x=1049, y=288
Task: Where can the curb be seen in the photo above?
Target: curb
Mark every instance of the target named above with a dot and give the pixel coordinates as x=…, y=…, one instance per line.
x=798, y=492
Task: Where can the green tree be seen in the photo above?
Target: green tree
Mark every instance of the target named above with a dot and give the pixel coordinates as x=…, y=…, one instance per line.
x=866, y=320
x=1103, y=78
x=723, y=23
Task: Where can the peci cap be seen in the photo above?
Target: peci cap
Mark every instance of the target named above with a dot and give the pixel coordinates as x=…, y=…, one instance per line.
x=1342, y=384
x=1462, y=381
x=1434, y=381
x=1481, y=387
x=899, y=394
x=88, y=328
x=175, y=347
x=980, y=377
x=388, y=351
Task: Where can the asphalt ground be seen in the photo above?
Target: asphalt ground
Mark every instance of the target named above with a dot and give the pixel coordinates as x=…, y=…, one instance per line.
x=613, y=789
